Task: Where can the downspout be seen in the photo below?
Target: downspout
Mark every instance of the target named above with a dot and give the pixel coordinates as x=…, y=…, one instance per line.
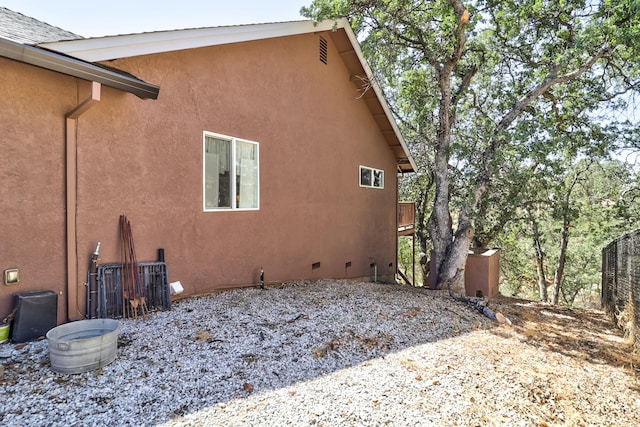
x=71, y=165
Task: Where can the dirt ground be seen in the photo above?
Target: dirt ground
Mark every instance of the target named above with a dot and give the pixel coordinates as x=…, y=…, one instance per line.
x=585, y=334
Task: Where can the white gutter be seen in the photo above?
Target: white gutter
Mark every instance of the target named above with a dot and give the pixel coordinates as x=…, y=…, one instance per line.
x=77, y=68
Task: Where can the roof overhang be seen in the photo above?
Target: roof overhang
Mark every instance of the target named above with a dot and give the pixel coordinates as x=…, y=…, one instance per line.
x=362, y=76
x=127, y=45
x=76, y=68
x=122, y=46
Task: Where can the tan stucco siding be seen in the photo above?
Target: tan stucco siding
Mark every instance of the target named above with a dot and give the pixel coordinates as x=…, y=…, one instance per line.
x=32, y=219
x=144, y=159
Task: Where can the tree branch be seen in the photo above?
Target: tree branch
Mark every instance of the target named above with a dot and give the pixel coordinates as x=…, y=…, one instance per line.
x=497, y=140
x=551, y=80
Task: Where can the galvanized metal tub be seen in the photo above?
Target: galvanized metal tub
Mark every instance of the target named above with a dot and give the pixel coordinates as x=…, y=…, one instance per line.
x=83, y=346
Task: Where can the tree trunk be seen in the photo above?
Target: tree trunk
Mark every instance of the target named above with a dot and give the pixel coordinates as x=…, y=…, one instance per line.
x=452, y=273
x=557, y=278
x=448, y=257
x=564, y=237
x=451, y=255
x=439, y=224
x=539, y=255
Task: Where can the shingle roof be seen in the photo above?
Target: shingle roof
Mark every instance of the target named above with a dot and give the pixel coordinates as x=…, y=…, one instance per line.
x=26, y=30
x=19, y=34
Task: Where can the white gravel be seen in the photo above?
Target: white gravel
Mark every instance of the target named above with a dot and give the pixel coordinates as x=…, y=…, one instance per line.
x=191, y=365
x=323, y=353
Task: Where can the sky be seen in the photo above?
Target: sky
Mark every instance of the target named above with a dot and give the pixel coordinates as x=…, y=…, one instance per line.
x=93, y=19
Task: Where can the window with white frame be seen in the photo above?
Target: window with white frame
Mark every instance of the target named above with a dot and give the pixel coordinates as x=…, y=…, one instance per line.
x=231, y=173
x=371, y=178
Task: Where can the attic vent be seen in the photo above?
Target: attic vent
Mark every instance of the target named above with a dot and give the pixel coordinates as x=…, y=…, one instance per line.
x=323, y=50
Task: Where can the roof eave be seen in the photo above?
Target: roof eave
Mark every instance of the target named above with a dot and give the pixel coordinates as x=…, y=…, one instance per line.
x=76, y=68
x=128, y=45
x=122, y=46
x=405, y=163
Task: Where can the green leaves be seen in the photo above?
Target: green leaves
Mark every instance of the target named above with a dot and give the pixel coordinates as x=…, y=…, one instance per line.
x=501, y=108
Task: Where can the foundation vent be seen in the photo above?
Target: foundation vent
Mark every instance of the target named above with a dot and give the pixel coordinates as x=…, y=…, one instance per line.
x=323, y=50
x=315, y=266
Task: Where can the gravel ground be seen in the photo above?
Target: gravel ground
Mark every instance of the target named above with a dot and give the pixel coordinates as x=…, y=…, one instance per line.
x=324, y=353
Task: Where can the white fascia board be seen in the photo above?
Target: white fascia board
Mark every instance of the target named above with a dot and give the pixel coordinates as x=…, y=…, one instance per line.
x=123, y=46
x=377, y=90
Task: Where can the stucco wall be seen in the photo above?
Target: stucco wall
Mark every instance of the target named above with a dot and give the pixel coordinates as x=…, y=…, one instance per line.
x=144, y=159
x=32, y=219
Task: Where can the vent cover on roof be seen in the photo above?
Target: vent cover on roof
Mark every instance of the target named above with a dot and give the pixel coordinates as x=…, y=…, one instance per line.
x=323, y=50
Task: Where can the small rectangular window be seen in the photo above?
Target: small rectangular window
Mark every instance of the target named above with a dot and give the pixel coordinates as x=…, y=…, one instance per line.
x=371, y=178
x=231, y=173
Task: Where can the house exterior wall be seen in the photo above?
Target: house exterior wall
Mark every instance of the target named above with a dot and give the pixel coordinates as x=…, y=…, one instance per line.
x=143, y=159
x=32, y=205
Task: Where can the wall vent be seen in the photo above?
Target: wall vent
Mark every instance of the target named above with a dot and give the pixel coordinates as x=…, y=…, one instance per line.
x=323, y=50
x=347, y=264
x=315, y=265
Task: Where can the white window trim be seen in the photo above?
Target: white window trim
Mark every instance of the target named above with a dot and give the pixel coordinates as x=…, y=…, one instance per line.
x=372, y=172
x=233, y=140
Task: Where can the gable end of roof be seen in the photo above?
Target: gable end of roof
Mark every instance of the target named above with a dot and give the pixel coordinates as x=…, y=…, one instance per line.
x=123, y=46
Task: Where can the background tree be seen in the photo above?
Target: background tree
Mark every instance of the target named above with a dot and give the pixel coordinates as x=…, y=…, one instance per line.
x=597, y=214
x=523, y=60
